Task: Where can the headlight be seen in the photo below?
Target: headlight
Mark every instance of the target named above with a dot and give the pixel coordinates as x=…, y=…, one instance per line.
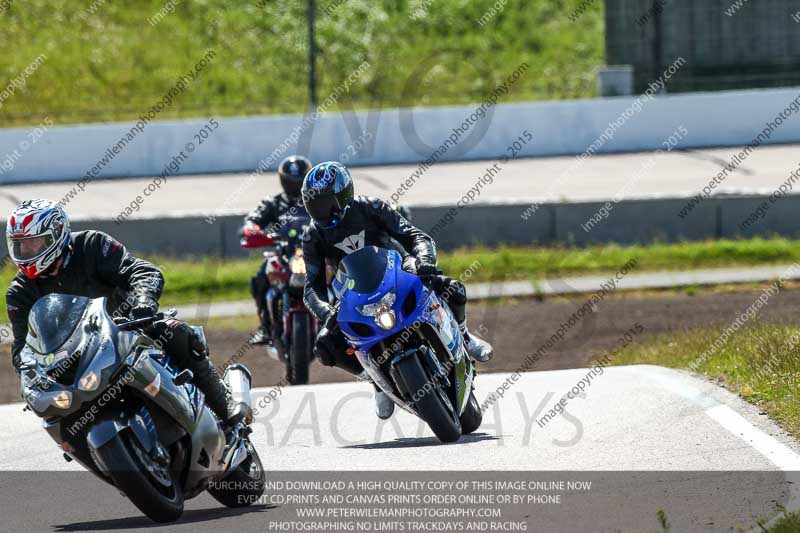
x=62, y=400
x=297, y=264
x=89, y=381
x=386, y=319
x=372, y=309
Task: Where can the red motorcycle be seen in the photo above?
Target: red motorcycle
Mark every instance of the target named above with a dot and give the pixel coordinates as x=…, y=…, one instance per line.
x=295, y=327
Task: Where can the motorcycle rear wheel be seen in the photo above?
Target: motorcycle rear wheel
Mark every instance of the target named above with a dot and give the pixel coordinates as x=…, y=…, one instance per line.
x=151, y=488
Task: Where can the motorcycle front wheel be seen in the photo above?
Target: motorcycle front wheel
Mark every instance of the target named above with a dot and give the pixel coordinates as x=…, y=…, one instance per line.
x=150, y=486
x=245, y=485
x=429, y=400
x=472, y=417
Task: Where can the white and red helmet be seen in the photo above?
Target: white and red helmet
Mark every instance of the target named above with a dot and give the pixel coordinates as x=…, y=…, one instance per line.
x=37, y=234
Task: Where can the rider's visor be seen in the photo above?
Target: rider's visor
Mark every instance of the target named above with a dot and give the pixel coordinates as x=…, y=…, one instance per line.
x=323, y=209
x=24, y=249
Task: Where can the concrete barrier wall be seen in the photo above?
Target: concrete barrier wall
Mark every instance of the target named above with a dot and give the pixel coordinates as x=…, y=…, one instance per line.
x=629, y=222
x=395, y=135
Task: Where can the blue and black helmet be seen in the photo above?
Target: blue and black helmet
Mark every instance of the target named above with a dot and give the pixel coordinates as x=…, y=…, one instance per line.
x=327, y=193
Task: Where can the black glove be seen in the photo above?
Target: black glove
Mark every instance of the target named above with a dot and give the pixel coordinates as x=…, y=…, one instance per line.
x=144, y=308
x=413, y=265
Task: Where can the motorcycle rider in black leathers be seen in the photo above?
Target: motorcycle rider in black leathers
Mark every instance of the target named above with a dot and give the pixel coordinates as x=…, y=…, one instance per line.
x=343, y=224
x=52, y=259
x=267, y=216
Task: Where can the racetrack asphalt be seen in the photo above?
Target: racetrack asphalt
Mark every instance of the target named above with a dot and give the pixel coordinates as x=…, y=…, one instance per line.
x=649, y=439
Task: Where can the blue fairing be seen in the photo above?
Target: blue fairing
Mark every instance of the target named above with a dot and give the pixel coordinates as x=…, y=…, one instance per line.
x=367, y=277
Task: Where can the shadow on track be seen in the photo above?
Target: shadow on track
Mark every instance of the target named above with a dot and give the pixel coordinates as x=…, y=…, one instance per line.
x=142, y=522
x=421, y=443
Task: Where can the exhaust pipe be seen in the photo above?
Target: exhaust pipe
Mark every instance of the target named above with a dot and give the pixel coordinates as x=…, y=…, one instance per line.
x=238, y=379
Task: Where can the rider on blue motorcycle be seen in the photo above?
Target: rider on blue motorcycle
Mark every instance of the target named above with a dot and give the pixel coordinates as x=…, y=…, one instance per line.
x=343, y=224
x=267, y=216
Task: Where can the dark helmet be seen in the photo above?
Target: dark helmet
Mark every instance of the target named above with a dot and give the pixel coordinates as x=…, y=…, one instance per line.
x=292, y=170
x=327, y=193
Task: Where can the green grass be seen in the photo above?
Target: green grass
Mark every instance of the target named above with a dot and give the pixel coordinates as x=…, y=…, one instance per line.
x=790, y=523
x=761, y=363
x=532, y=263
x=113, y=65
x=202, y=280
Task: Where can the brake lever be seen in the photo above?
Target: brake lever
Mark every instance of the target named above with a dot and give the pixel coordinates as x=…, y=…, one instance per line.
x=131, y=324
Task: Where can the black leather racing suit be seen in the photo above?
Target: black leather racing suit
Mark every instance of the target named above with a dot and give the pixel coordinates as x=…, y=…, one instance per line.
x=269, y=215
x=96, y=265
x=368, y=222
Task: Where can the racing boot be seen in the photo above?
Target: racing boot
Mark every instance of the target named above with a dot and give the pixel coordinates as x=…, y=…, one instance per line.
x=264, y=334
x=220, y=400
x=258, y=288
x=384, y=406
x=477, y=348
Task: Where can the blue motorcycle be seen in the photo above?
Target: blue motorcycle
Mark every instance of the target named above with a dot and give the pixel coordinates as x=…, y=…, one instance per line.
x=408, y=341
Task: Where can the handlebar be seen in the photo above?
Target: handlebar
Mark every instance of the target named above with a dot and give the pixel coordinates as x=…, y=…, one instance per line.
x=126, y=325
x=258, y=239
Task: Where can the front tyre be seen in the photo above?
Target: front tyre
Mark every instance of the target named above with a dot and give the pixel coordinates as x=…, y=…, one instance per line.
x=151, y=487
x=245, y=485
x=299, y=359
x=429, y=400
x=472, y=417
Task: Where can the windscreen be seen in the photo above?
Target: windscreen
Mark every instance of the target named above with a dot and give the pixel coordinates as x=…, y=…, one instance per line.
x=363, y=271
x=293, y=227
x=53, y=319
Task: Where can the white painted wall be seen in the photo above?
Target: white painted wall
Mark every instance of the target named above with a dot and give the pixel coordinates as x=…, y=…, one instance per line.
x=401, y=135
